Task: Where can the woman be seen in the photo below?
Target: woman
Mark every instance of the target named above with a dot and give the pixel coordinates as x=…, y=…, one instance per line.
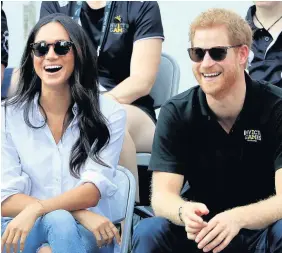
x=60, y=147
x=129, y=55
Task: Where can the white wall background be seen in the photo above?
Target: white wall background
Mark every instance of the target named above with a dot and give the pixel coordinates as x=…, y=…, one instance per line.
x=176, y=17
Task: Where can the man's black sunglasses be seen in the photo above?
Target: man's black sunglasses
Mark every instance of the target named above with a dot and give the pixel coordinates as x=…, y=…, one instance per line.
x=61, y=47
x=197, y=54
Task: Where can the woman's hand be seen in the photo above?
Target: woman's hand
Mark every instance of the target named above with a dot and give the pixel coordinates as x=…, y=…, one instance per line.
x=19, y=228
x=102, y=228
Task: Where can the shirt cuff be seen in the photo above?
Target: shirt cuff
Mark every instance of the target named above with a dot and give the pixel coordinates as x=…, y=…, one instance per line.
x=105, y=186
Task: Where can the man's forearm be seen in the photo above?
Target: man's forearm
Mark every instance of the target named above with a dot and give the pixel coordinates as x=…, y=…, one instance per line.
x=167, y=206
x=261, y=214
x=131, y=89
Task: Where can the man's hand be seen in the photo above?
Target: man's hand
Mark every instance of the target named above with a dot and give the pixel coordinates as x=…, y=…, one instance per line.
x=219, y=232
x=191, y=216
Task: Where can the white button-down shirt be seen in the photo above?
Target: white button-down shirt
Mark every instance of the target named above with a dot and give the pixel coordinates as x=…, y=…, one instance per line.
x=33, y=164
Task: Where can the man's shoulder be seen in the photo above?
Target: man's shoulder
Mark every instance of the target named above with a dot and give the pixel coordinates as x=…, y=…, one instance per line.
x=183, y=104
x=269, y=91
x=270, y=98
x=49, y=7
x=137, y=9
x=140, y=4
x=183, y=98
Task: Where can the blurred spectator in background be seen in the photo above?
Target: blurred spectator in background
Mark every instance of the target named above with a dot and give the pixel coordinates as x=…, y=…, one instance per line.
x=4, y=42
x=265, y=58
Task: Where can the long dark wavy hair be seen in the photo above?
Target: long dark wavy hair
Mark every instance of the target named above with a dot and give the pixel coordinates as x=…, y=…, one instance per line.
x=94, y=133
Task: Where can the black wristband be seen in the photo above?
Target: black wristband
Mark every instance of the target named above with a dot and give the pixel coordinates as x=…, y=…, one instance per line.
x=180, y=213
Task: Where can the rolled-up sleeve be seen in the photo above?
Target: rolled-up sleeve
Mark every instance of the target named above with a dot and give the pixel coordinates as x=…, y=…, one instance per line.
x=102, y=176
x=13, y=179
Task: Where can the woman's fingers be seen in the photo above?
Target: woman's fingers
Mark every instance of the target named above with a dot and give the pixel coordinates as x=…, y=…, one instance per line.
x=104, y=235
x=98, y=238
x=116, y=233
x=22, y=241
x=15, y=241
x=110, y=234
x=4, y=239
x=11, y=235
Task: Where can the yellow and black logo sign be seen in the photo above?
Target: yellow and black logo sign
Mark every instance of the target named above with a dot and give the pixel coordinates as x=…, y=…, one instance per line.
x=252, y=135
x=118, y=27
x=117, y=19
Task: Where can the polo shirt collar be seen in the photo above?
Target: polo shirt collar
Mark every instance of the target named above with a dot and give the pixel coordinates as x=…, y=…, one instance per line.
x=250, y=14
x=248, y=106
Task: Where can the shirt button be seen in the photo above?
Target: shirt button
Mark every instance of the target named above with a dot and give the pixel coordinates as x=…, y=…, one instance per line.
x=266, y=38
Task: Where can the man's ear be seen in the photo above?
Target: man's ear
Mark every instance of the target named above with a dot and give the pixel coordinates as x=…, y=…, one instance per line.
x=243, y=54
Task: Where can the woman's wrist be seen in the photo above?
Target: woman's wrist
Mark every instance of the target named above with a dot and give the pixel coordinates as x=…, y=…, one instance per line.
x=37, y=207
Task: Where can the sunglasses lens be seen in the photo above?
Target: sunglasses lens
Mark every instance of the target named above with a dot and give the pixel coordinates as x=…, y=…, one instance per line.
x=218, y=54
x=196, y=54
x=40, y=49
x=62, y=47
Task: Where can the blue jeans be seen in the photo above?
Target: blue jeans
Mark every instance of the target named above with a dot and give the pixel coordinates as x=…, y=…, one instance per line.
x=158, y=235
x=61, y=232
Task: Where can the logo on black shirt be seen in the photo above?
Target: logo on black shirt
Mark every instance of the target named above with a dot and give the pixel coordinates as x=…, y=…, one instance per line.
x=118, y=27
x=252, y=135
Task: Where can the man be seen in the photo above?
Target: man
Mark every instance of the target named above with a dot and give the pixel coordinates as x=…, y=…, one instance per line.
x=265, y=59
x=223, y=136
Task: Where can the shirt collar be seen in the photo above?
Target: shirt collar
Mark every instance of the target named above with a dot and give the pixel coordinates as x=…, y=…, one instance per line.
x=37, y=114
x=250, y=14
x=207, y=112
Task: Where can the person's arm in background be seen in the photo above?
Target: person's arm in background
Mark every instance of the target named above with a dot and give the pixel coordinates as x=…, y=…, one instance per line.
x=145, y=57
x=49, y=7
x=4, y=42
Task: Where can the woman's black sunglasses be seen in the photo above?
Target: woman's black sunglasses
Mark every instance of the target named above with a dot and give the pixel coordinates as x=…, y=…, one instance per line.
x=197, y=54
x=61, y=47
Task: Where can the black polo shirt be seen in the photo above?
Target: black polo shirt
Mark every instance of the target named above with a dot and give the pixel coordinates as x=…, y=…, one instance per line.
x=223, y=170
x=4, y=38
x=129, y=21
x=265, y=58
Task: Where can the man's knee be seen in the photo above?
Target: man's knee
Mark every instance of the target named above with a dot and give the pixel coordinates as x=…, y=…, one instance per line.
x=152, y=229
x=275, y=236
x=59, y=221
